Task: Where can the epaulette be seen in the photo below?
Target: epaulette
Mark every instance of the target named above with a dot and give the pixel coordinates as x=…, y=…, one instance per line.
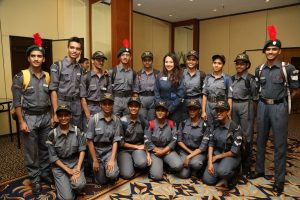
x=18, y=75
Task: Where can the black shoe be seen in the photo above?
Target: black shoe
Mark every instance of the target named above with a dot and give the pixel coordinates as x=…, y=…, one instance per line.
x=255, y=175
x=278, y=188
x=47, y=179
x=232, y=182
x=36, y=188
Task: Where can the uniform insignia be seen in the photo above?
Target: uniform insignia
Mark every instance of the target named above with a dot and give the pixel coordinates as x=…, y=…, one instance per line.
x=53, y=70
x=294, y=78
x=274, y=42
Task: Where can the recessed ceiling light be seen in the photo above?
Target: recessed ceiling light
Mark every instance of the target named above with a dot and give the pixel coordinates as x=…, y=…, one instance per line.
x=139, y=4
x=215, y=10
x=267, y=1
x=191, y=0
x=170, y=15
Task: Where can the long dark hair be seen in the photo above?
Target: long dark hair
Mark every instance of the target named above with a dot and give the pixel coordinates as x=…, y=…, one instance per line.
x=176, y=72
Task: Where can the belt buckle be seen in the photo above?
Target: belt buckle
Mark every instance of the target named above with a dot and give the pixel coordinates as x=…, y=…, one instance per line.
x=270, y=101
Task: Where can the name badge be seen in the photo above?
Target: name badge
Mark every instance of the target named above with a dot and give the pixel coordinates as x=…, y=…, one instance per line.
x=78, y=74
x=164, y=78
x=45, y=85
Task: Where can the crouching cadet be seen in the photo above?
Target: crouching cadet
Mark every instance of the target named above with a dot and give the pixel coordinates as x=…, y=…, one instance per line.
x=66, y=145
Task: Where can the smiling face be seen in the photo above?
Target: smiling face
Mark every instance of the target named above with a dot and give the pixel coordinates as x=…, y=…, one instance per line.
x=99, y=63
x=191, y=62
x=107, y=106
x=241, y=66
x=221, y=114
x=125, y=58
x=64, y=117
x=193, y=111
x=36, y=59
x=134, y=108
x=161, y=113
x=74, y=50
x=169, y=64
x=272, y=53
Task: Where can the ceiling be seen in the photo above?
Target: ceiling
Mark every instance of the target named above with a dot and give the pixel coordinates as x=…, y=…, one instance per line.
x=180, y=10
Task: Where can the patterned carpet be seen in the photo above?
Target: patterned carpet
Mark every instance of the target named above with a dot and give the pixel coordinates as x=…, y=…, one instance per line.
x=173, y=188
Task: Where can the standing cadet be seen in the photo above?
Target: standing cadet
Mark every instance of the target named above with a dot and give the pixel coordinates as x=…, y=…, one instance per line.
x=160, y=141
x=169, y=86
x=193, y=79
x=243, y=95
x=103, y=134
x=144, y=86
x=216, y=87
x=93, y=84
x=193, y=136
x=122, y=79
x=31, y=101
x=223, y=149
x=132, y=149
x=66, y=145
x=274, y=78
x=65, y=81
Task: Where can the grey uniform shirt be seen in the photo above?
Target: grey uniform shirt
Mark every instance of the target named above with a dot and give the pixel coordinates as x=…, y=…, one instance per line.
x=65, y=147
x=192, y=83
x=217, y=87
x=92, y=89
x=67, y=80
x=271, y=81
x=104, y=133
x=35, y=97
x=193, y=136
x=160, y=137
x=123, y=80
x=223, y=140
x=144, y=82
x=133, y=132
x=241, y=91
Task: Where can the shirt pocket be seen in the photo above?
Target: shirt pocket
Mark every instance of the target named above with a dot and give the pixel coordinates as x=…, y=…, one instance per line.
x=102, y=135
x=92, y=89
x=29, y=91
x=75, y=145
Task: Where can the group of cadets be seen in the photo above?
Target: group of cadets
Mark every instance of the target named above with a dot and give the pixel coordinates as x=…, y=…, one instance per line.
x=120, y=120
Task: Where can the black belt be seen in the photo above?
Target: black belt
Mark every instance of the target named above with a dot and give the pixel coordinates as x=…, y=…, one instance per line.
x=213, y=99
x=95, y=103
x=240, y=100
x=40, y=112
x=102, y=144
x=193, y=97
x=123, y=94
x=272, y=101
x=68, y=98
x=147, y=93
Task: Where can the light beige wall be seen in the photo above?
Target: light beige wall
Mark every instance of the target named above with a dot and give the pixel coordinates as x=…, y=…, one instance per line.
x=53, y=19
x=233, y=35
x=101, y=30
x=183, y=40
x=150, y=34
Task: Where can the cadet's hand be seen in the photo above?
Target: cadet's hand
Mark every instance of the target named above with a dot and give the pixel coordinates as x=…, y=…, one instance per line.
x=210, y=168
x=96, y=166
x=186, y=162
x=24, y=128
x=73, y=171
x=140, y=147
x=149, y=160
x=214, y=158
x=158, y=152
x=75, y=177
x=110, y=165
x=204, y=116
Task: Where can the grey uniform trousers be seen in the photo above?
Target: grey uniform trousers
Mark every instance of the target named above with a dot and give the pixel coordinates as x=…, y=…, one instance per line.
x=35, y=148
x=64, y=186
x=211, y=113
x=129, y=159
x=147, y=110
x=103, y=176
x=245, y=118
x=157, y=166
x=223, y=169
x=195, y=164
x=120, y=107
x=275, y=117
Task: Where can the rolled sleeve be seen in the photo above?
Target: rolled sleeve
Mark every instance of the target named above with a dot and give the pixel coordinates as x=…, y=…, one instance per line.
x=172, y=143
x=230, y=90
x=119, y=131
x=136, y=87
x=205, y=140
x=147, y=139
x=90, y=133
x=83, y=89
x=204, y=88
x=16, y=89
x=293, y=76
x=180, y=132
x=54, y=74
x=51, y=150
x=81, y=142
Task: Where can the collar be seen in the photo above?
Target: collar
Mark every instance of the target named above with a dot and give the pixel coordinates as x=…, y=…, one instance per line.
x=144, y=71
x=189, y=122
x=71, y=130
x=244, y=75
x=121, y=67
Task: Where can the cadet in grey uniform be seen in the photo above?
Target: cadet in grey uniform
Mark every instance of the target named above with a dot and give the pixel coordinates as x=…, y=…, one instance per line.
x=123, y=78
x=193, y=137
x=132, y=149
x=244, y=96
x=65, y=82
x=93, y=84
x=223, y=149
x=144, y=86
x=193, y=80
x=32, y=106
x=272, y=111
x=66, y=146
x=160, y=141
x=216, y=87
x=103, y=134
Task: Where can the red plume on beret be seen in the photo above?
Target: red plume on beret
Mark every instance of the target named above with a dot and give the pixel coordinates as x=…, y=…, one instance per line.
x=37, y=39
x=272, y=32
x=126, y=43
